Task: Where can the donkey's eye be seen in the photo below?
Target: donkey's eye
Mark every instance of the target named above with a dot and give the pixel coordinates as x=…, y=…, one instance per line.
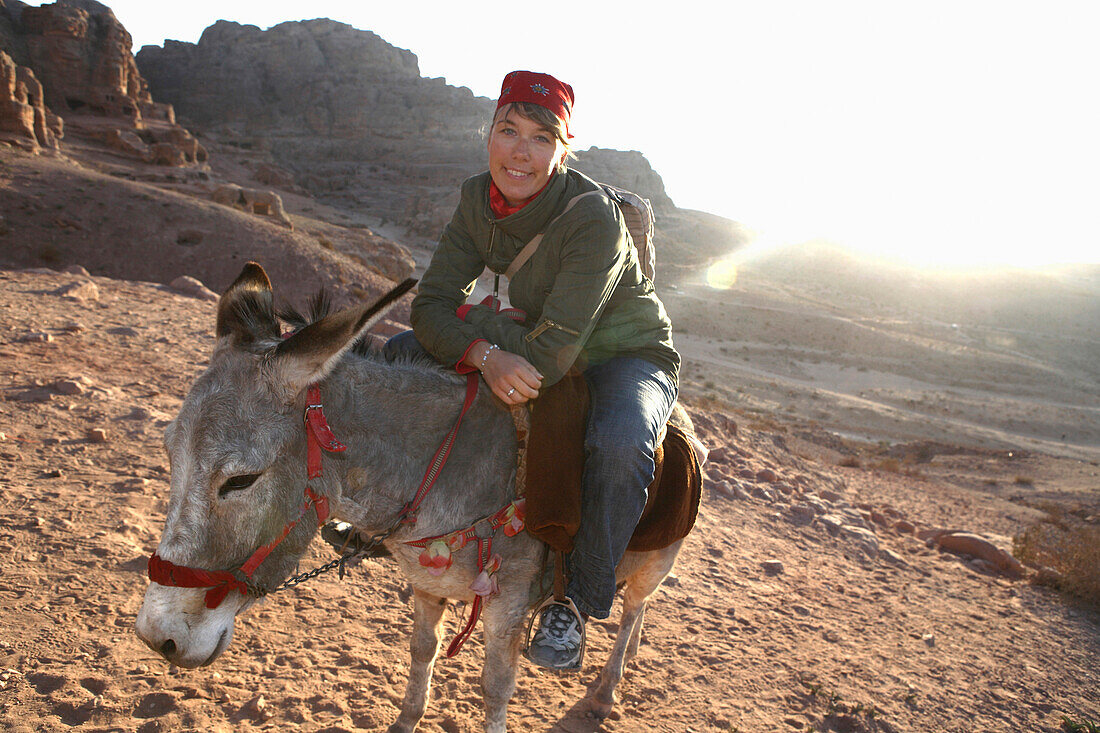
x=236, y=483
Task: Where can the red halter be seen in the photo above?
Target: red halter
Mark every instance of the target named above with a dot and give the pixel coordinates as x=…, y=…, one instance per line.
x=220, y=582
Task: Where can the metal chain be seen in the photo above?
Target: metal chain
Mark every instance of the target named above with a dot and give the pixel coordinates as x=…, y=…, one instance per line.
x=339, y=562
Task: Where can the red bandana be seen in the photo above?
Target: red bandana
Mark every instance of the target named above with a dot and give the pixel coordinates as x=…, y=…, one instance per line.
x=541, y=89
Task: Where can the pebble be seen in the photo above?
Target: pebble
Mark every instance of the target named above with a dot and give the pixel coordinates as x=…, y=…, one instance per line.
x=74, y=327
x=904, y=526
x=190, y=286
x=829, y=495
x=76, y=270
x=767, y=476
x=801, y=513
x=69, y=387
x=891, y=557
x=97, y=435
x=35, y=337
x=122, y=331
x=762, y=493
x=85, y=290
x=772, y=567
x=831, y=522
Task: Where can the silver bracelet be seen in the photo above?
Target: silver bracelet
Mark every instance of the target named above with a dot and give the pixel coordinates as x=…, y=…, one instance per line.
x=485, y=356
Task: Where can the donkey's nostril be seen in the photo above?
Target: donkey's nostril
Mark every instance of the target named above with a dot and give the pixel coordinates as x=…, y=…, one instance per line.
x=168, y=648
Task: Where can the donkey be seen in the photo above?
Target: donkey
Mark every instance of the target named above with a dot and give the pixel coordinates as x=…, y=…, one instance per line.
x=238, y=453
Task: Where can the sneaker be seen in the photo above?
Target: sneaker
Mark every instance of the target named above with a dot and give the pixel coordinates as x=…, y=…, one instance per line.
x=558, y=643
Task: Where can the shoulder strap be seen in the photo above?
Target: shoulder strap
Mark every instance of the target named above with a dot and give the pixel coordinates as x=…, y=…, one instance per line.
x=529, y=249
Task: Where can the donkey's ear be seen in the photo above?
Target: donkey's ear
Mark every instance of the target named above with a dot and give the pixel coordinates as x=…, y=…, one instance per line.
x=309, y=355
x=246, y=311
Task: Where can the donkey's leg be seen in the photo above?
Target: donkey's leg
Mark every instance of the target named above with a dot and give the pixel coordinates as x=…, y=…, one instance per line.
x=630, y=627
x=504, y=628
x=427, y=613
x=639, y=587
x=635, y=635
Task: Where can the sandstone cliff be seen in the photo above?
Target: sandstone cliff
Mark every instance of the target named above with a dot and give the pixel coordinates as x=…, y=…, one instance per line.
x=350, y=117
x=73, y=60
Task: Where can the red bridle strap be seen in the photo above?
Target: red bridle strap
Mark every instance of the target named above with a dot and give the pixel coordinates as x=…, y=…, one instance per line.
x=408, y=513
x=220, y=582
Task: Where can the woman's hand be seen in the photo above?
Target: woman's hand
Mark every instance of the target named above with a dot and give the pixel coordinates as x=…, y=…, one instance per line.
x=512, y=378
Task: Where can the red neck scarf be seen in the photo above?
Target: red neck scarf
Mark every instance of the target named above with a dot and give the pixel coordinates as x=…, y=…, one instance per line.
x=501, y=208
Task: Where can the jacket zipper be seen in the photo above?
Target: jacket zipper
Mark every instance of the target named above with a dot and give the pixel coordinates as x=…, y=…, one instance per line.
x=545, y=326
x=492, y=237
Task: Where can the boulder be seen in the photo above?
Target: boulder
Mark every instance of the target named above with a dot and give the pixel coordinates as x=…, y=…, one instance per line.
x=976, y=546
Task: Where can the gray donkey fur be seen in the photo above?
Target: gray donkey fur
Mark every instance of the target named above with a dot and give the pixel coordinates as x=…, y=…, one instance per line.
x=243, y=416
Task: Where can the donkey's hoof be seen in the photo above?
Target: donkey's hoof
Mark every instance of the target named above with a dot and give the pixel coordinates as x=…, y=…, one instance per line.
x=601, y=709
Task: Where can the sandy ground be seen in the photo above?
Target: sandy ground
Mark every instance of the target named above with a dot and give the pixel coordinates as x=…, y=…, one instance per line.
x=799, y=602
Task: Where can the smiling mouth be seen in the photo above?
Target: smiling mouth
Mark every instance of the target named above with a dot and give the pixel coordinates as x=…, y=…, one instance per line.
x=516, y=174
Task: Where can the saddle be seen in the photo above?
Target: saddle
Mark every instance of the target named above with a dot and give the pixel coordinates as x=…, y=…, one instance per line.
x=554, y=462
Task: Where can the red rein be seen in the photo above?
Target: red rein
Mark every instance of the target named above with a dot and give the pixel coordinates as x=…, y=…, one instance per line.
x=220, y=582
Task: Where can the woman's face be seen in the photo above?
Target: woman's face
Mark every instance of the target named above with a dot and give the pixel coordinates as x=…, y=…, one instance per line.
x=522, y=156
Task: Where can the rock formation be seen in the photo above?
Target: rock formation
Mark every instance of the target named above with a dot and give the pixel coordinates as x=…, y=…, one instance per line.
x=252, y=201
x=79, y=66
x=349, y=116
x=24, y=119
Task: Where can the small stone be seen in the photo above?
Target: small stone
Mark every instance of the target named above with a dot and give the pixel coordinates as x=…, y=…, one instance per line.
x=904, y=526
x=879, y=518
x=68, y=386
x=53, y=473
x=256, y=705
x=671, y=581
x=35, y=337
x=772, y=567
x=831, y=522
x=74, y=327
x=190, y=286
x=929, y=639
x=76, y=270
x=801, y=513
x=84, y=290
x=891, y=557
x=762, y=493
x=747, y=473
x=122, y=331
x=767, y=476
x=97, y=435
x=828, y=495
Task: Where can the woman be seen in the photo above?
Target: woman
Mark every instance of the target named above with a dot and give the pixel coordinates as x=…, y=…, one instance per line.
x=587, y=304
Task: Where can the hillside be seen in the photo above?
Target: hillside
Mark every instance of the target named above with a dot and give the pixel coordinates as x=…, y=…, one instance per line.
x=807, y=598
x=860, y=415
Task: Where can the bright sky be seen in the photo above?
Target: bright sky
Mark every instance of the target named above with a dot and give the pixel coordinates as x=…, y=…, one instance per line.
x=940, y=131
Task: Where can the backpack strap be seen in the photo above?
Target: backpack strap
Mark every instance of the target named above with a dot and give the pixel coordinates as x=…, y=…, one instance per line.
x=529, y=249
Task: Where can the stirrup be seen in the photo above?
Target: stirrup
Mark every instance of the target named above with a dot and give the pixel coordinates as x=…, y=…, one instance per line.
x=567, y=603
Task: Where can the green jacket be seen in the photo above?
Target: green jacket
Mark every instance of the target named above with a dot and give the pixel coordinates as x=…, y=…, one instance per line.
x=583, y=292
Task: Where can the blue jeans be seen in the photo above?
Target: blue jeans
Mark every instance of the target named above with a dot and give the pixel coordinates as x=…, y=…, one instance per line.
x=630, y=399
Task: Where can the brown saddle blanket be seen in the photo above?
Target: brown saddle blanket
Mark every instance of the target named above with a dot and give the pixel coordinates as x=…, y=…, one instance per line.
x=555, y=461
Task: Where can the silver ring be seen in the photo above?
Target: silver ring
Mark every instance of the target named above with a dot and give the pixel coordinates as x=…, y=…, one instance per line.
x=511, y=391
